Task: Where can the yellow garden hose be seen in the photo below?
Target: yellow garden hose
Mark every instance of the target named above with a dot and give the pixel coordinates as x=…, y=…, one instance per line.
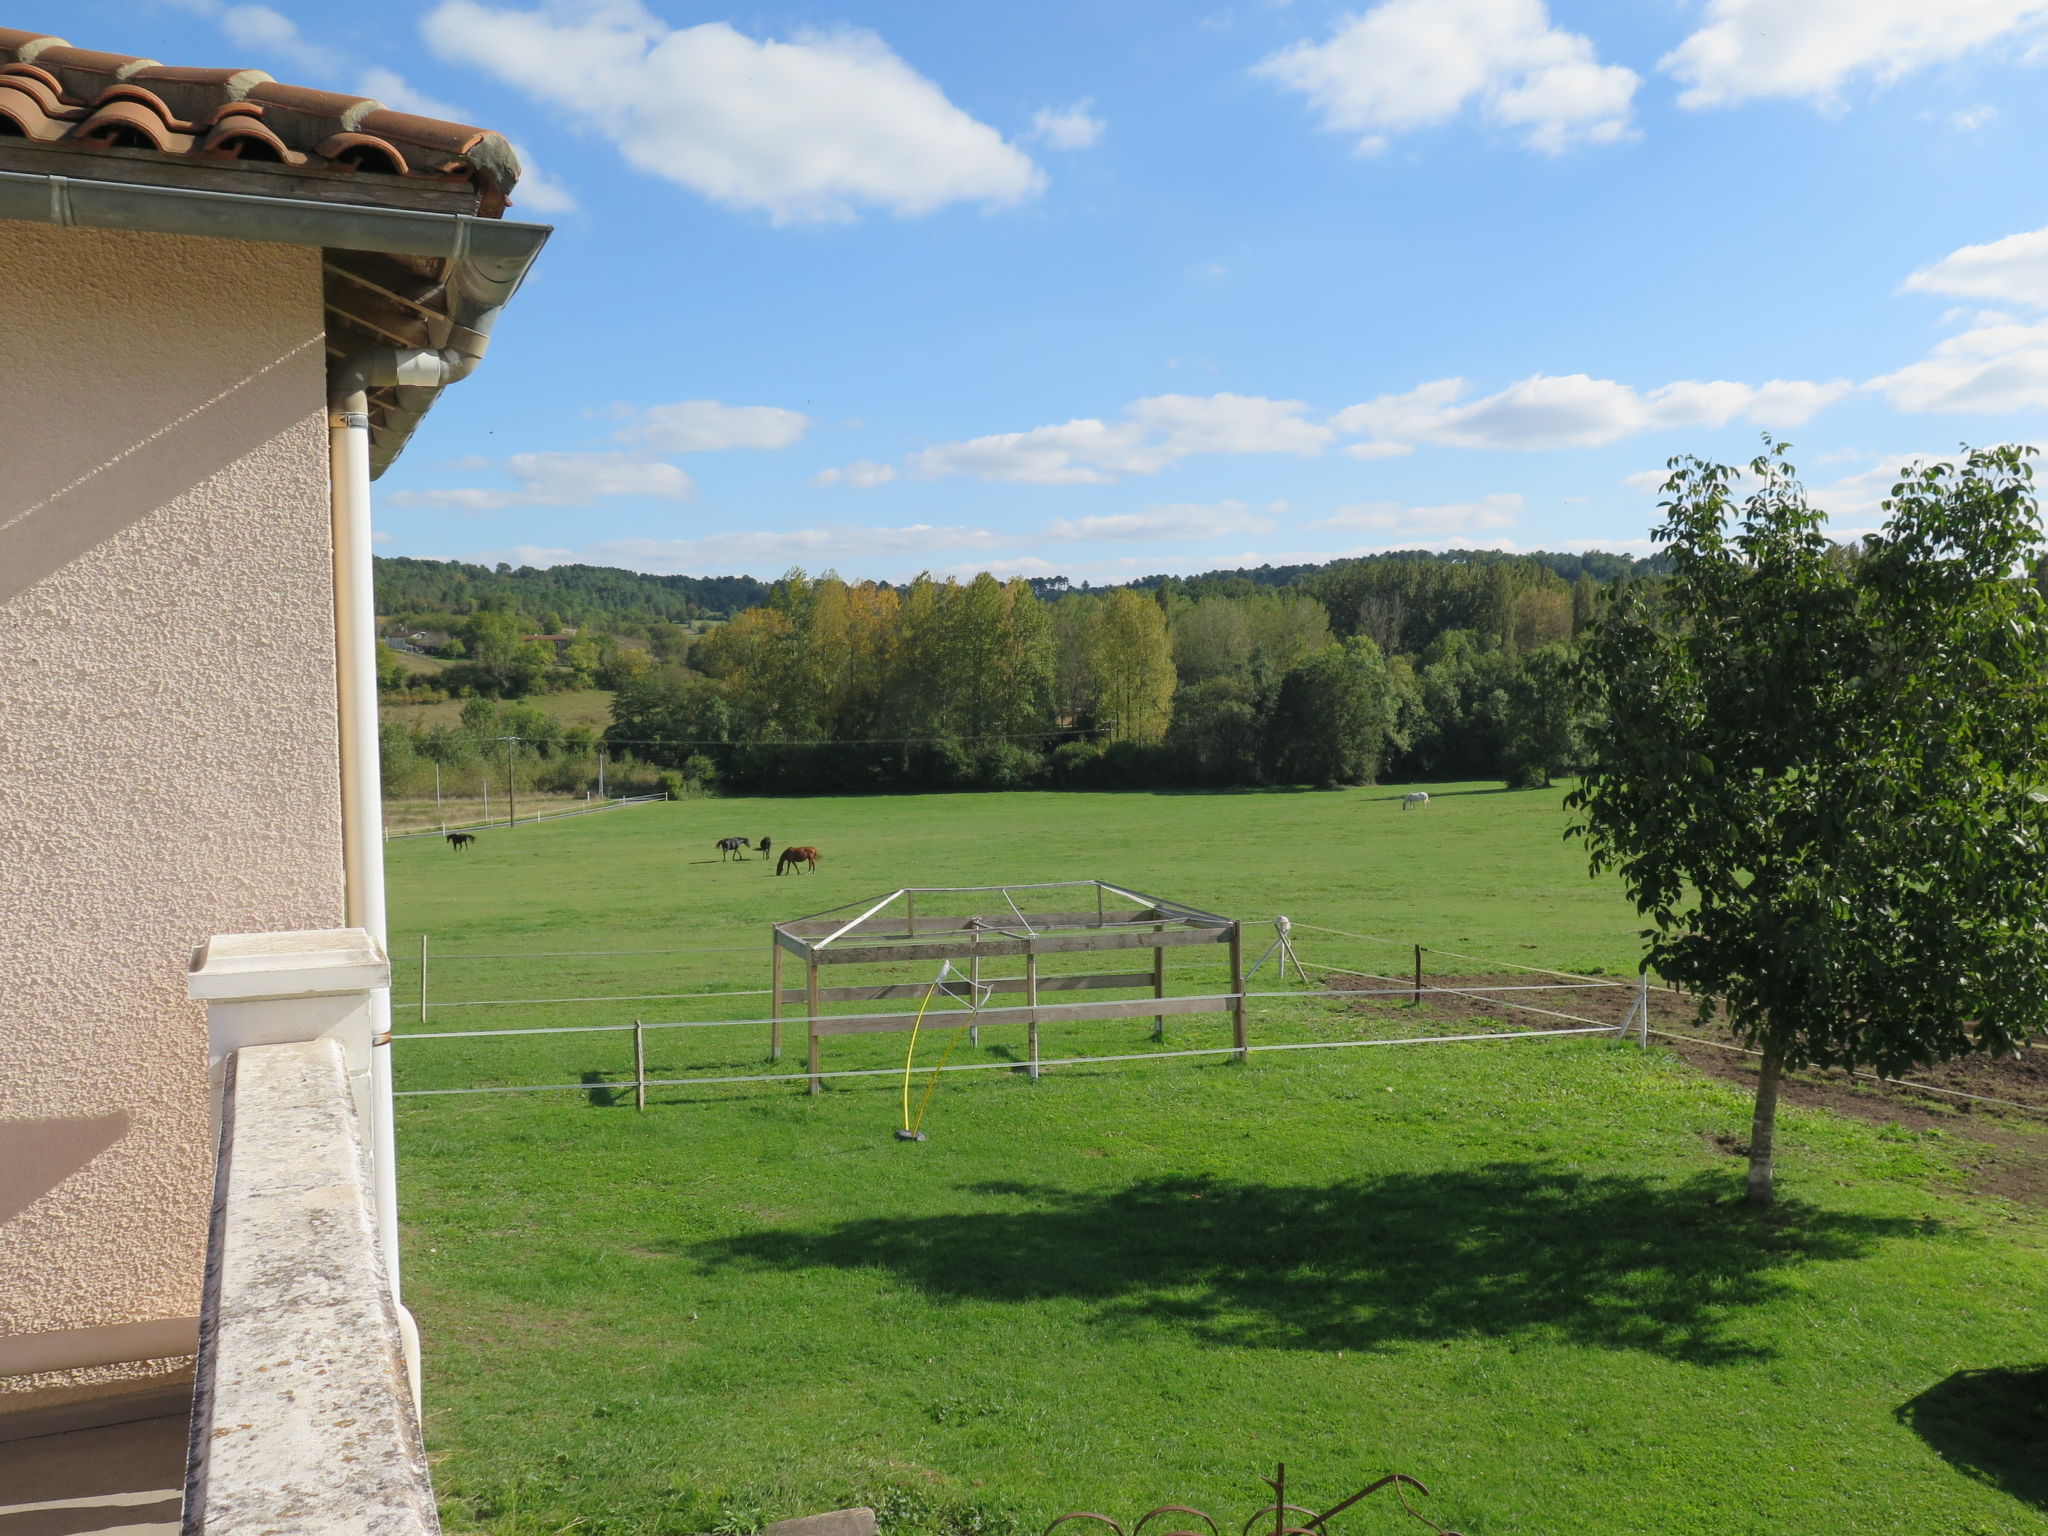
x=912, y=1130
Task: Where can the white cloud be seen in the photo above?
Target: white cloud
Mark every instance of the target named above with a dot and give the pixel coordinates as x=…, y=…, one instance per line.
x=1069, y=127
x=1997, y=368
x=703, y=426
x=1751, y=48
x=537, y=191
x=817, y=548
x=2013, y=270
x=560, y=480
x=1379, y=450
x=1970, y=119
x=1158, y=431
x=1649, y=481
x=1409, y=64
x=261, y=30
x=819, y=127
x=1458, y=519
x=1577, y=411
x=862, y=475
x=1859, y=495
x=1175, y=520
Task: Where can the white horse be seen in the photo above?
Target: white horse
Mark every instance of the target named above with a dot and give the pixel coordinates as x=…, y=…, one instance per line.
x=1417, y=798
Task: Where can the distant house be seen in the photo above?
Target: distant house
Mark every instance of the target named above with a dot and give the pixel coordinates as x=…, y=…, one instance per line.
x=560, y=642
x=228, y=304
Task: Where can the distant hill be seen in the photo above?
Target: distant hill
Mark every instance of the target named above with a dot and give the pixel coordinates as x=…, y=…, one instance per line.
x=586, y=596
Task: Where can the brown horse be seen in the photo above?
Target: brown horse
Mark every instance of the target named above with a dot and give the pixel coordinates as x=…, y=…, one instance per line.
x=791, y=857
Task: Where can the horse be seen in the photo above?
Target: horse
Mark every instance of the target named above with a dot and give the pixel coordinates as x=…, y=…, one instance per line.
x=729, y=846
x=1417, y=798
x=791, y=857
x=764, y=847
x=459, y=840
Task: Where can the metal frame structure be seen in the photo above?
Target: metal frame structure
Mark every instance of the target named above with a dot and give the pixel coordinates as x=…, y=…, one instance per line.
x=876, y=935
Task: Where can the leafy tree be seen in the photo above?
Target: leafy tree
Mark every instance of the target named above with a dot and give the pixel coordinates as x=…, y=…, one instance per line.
x=1335, y=710
x=1820, y=772
x=1217, y=731
x=1543, y=726
x=1130, y=666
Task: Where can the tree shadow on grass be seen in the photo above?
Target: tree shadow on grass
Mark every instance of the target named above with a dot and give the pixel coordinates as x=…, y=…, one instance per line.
x=1608, y=1260
x=602, y=1094
x=1992, y=1423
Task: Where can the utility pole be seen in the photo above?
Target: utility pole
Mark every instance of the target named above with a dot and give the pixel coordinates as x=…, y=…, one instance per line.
x=600, y=771
x=511, y=788
x=439, y=814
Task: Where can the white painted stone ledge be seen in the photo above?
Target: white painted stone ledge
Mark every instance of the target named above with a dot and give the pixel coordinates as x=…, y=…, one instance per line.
x=303, y=1416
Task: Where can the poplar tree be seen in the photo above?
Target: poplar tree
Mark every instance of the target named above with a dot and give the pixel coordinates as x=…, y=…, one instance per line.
x=1130, y=666
x=1820, y=771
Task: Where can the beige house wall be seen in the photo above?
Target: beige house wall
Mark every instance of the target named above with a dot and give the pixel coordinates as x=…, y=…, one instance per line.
x=168, y=754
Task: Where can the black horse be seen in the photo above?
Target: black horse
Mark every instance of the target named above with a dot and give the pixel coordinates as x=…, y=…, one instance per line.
x=460, y=840
x=732, y=847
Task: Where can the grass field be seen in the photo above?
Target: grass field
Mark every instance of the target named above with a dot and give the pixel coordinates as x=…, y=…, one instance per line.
x=1510, y=1269
x=581, y=706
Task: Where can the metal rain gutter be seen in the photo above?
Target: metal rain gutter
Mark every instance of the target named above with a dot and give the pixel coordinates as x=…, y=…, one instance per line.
x=487, y=260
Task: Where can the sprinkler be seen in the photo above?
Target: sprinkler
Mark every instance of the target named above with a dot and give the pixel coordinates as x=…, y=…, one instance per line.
x=908, y=1135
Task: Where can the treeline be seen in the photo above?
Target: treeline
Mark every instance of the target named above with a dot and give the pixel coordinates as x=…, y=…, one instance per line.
x=579, y=596
x=1413, y=666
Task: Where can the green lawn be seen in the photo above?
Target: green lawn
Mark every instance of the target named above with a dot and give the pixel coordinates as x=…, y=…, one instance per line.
x=1512, y=1269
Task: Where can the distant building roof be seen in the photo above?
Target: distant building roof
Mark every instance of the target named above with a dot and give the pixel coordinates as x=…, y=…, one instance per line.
x=240, y=124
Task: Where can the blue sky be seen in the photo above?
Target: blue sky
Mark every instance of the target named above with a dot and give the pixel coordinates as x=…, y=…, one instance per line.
x=1125, y=286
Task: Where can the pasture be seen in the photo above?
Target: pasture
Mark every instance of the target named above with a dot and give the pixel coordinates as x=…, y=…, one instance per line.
x=1514, y=1270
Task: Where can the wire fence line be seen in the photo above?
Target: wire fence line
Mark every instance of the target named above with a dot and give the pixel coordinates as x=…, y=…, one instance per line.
x=996, y=1066
x=1891, y=1082
x=485, y=826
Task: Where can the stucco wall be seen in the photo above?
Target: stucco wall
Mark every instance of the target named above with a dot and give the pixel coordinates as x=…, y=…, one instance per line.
x=167, y=734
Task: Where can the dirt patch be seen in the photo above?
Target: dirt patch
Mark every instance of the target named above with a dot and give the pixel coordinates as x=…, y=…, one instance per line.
x=2014, y=1161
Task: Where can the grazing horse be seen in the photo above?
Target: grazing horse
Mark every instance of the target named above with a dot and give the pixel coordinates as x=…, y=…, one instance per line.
x=729, y=847
x=764, y=847
x=791, y=857
x=460, y=840
x=1418, y=798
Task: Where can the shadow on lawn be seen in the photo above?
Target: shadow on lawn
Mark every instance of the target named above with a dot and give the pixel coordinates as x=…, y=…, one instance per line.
x=1993, y=1423
x=1511, y=1249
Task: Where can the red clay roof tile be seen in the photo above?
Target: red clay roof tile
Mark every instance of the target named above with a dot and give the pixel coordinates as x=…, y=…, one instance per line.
x=56, y=96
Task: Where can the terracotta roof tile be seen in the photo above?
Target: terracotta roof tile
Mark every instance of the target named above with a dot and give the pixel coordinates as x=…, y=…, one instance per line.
x=58, y=97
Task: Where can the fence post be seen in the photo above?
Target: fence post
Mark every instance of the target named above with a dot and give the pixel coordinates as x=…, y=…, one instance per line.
x=423, y=978
x=1416, y=997
x=1643, y=1002
x=640, y=1066
x=974, y=990
x=1159, y=982
x=775, y=1000
x=1238, y=1033
x=1031, y=1003
x=811, y=1002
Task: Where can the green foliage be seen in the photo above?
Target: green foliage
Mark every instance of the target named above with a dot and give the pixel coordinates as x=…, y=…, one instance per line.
x=1820, y=772
x=1334, y=713
x=1130, y=666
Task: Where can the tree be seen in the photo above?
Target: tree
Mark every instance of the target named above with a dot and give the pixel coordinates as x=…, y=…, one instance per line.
x=1130, y=666
x=1820, y=772
x=1333, y=716
x=1543, y=728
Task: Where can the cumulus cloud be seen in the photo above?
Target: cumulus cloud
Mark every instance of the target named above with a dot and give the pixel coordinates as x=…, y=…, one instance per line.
x=1174, y=520
x=1995, y=368
x=821, y=126
x=262, y=30
x=558, y=480
x=1409, y=64
x=862, y=475
x=1457, y=519
x=1576, y=410
x=1814, y=48
x=706, y=426
x=819, y=548
x=2013, y=270
x=1157, y=431
x=1068, y=127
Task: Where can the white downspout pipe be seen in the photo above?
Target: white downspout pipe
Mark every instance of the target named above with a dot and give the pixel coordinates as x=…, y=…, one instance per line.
x=362, y=834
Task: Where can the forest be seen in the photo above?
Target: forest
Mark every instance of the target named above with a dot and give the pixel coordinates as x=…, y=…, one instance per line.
x=1413, y=666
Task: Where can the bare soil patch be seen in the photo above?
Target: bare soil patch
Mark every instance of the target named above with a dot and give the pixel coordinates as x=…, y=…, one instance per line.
x=2014, y=1161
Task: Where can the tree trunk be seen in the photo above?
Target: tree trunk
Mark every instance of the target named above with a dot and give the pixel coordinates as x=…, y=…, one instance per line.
x=1763, y=1130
